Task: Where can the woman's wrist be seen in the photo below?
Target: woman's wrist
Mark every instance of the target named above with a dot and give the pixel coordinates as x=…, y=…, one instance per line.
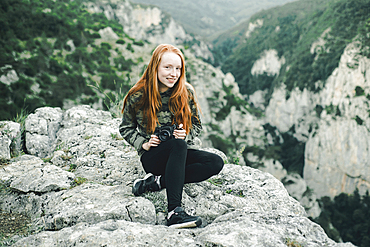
x=145, y=146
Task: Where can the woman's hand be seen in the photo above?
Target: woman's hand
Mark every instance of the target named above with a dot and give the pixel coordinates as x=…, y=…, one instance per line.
x=179, y=133
x=153, y=142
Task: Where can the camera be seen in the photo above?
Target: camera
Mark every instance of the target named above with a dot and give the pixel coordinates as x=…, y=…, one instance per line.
x=164, y=133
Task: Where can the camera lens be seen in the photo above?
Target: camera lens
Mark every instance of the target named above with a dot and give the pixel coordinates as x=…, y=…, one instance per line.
x=164, y=135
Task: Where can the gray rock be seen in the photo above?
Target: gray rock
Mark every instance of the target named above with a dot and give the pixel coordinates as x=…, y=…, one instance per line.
x=44, y=179
x=41, y=128
x=10, y=139
x=93, y=203
x=241, y=206
x=19, y=167
x=5, y=147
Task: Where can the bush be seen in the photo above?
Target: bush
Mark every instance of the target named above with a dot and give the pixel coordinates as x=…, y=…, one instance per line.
x=120, y=41
x=350, y=216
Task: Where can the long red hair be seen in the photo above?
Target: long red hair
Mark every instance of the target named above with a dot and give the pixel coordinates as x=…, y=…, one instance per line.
x=151, y=103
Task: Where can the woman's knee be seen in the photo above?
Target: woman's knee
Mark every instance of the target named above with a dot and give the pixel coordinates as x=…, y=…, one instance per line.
x=217, y=164
x=178, y=144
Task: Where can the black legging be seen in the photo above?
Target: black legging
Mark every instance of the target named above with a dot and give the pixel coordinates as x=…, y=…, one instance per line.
x=179, y=165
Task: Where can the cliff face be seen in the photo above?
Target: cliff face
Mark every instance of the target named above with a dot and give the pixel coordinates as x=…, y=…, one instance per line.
x=149, y=23
x=334, y=124
x=83, y=190
x=337, y=155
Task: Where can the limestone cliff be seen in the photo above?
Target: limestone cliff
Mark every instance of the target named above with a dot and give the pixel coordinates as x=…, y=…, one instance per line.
x=149, y=23
x=334, y=124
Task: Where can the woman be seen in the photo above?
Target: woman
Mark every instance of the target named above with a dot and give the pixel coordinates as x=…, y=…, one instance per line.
x=163, y=98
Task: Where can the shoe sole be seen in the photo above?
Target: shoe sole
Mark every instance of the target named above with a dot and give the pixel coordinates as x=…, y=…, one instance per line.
x=190, y=224
x=136, y=185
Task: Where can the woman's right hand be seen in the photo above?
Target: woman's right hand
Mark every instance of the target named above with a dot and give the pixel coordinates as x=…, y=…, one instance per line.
x=153, y=142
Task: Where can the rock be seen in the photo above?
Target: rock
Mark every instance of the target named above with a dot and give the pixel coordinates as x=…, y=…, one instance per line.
x=9, y=78
x=10, y=139
x=41, y=128
x=5, y=147
x=93, y=203
x=19, y=167
x=268, y=63
x=298, y=111
x=298, y=189
x=337, y=151
x=238, y=206
x=108, y=34
x=344, y=165
x=43, y=179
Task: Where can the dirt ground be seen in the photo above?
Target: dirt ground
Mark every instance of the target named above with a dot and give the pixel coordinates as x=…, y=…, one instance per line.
x=12, y=224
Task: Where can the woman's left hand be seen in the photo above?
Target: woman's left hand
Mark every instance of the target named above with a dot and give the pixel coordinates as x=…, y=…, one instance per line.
x=179, y=133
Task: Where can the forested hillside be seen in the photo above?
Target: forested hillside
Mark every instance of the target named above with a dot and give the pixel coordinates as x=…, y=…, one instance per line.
x=53, y=49
x=291, y=30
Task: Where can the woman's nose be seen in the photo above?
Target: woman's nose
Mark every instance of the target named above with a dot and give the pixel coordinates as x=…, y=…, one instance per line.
x=173, y=71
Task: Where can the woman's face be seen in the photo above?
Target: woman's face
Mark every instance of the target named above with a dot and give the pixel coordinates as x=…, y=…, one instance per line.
x=169, y=71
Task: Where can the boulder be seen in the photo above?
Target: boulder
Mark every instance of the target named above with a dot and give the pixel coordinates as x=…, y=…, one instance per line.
x=10, y=139
x=41, y=128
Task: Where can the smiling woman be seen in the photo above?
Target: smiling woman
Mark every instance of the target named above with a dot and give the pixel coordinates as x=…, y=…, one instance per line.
x=162, y=103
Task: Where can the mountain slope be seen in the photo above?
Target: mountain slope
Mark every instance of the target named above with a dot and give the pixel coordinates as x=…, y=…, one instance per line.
x=309, y=37
x=210, y=17
x=61, y=53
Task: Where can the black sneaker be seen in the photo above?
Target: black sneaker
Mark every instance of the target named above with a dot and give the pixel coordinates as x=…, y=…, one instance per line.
x=148, y=183
x=180, y=219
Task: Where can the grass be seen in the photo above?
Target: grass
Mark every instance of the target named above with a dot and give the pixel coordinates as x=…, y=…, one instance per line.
x=72, y=167
x=217, y=181
x=113, y=100
x=115, y=136
x=292, y=243
x=46, y=160
x=78, y=181
x=158, y=200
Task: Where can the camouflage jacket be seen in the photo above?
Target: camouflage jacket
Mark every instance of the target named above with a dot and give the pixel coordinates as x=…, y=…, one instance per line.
x=133, y=129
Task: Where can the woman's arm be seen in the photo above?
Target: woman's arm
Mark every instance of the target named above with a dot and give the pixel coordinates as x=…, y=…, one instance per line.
x=128, y=127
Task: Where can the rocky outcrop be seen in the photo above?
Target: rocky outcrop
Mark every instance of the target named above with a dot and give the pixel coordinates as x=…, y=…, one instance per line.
x=149, y=23
x=268, y=63
x=80, y=195
x=41, y=128
x=10, y=139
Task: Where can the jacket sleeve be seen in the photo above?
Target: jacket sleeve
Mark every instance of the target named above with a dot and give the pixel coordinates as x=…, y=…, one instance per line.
x=129, y=127
x=195, y=118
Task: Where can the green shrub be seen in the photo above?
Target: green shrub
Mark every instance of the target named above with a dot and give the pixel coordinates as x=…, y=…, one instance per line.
x=138, y=43
x=350, y=217
x=359, y=91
